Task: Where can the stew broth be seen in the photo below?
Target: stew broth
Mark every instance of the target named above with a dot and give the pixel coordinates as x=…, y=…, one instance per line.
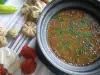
x=74, y=36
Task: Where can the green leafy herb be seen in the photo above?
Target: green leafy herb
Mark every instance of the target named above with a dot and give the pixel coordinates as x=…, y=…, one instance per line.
x=79, y=51
x=61, y=31
x=88, y=35
x=61, y=20
x=80, y=23
x=87, y=44
x=85, y=48
x=57, y=16
x=66, y=44
x=60, y=46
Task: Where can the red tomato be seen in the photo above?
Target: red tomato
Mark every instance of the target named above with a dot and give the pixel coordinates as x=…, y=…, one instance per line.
x=3, y=71
x=28, y=66
x=9, y=74
x=28, y=52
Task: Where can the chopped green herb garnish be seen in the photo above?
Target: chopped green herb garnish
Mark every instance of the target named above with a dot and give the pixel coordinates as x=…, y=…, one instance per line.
x=61, y=31
x=68, y=43
x=71, y=31
x=57, y=16
x=88, y=35
x=64, y=44
x=61, y=20
x=79, y=51
x=87, y=44
x=60, y=46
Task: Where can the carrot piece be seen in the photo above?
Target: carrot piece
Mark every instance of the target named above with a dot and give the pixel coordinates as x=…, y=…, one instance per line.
x=3, y=71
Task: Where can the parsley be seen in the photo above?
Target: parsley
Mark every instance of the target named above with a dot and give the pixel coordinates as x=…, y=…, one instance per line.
x=79, y=51
x=57, y=16
x=60, y=46
x=61, y=20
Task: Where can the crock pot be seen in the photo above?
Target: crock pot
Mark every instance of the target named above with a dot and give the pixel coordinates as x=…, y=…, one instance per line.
x=46, y=55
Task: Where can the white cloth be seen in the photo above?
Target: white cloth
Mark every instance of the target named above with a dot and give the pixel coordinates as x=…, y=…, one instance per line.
x=7, y=21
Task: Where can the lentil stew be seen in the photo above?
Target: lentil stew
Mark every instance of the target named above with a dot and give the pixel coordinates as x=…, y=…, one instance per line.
x=74, y=36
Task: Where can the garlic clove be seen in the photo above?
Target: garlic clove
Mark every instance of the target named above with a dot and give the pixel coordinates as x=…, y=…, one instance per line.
x=7, y=57
x=14, y=66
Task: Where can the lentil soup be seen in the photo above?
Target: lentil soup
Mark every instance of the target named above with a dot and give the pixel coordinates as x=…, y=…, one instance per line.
x=74, y=36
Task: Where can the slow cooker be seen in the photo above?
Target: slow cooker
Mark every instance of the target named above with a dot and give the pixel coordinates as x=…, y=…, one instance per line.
x=44, y=52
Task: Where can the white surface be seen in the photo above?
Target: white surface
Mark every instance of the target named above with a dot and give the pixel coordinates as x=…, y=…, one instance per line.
x=16, y=20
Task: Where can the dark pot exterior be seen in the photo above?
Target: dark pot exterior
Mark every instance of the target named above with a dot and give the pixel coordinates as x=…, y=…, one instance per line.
x=46, y=55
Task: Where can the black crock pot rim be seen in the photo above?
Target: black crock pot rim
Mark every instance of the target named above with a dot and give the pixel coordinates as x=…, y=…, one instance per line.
x=38, y=30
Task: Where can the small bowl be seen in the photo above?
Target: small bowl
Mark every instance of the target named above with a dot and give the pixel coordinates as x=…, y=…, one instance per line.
x=46, y=54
